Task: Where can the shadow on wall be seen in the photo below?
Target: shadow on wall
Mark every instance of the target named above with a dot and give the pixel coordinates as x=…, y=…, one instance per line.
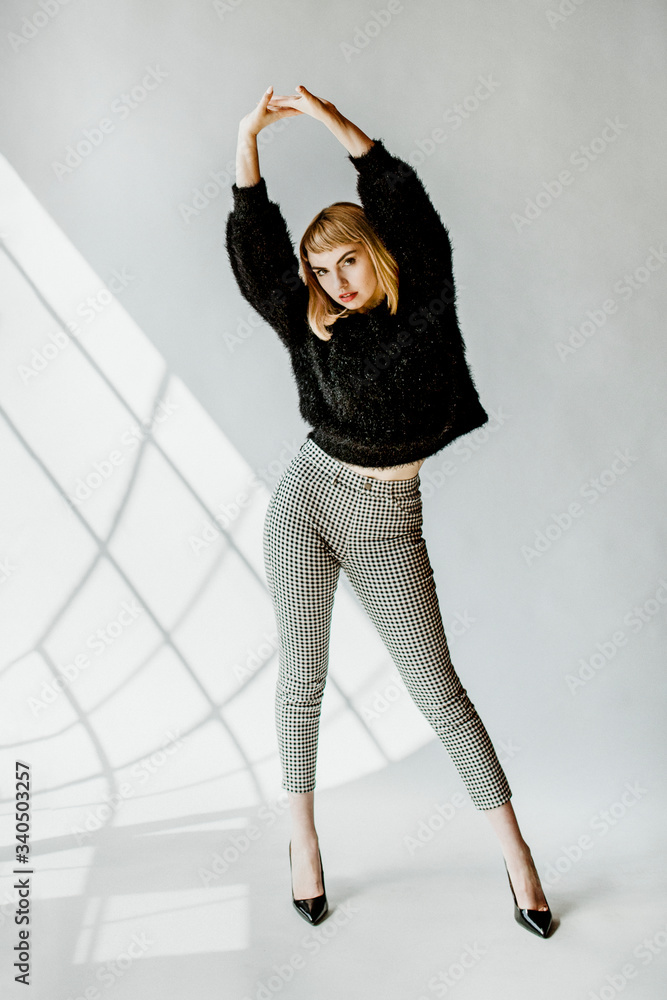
x=139, y=637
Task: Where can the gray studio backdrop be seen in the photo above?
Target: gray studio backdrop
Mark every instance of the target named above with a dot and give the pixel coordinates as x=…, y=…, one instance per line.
x=538, y=130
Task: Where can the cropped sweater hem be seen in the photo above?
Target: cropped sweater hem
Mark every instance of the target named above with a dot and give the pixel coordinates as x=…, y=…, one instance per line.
x=376, y=455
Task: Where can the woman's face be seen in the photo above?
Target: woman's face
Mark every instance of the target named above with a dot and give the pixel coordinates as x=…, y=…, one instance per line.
x=348, y=276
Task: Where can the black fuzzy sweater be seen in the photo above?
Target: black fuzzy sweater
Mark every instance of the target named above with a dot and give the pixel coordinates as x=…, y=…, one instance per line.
x=384, y=390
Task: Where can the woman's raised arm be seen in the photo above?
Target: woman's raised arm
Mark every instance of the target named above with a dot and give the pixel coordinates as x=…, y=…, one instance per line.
x=393, y=197
x=247, y=157
x=259, y=246
x=303, y=102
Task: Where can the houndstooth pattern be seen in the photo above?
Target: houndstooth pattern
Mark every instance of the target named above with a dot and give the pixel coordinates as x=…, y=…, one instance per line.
x=323, y=516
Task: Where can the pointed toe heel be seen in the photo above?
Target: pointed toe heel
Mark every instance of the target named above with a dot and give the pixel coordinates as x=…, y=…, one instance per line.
x=536, y=921
x=315, y=909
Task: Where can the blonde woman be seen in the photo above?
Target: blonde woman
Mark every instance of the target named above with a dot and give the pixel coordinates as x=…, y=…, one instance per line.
x=367, y=313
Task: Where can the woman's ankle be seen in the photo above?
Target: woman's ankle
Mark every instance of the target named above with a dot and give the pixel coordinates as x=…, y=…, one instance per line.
x=519, y=853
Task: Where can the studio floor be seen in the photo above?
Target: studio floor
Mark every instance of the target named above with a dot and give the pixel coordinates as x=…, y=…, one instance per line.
x=419, y=905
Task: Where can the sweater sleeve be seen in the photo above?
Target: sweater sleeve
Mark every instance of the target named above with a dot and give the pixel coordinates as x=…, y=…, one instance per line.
x=402, y=214
x=262, y=257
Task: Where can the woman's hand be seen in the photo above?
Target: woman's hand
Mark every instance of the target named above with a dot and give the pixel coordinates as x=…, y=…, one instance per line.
x=263, y=115
x=305, y=103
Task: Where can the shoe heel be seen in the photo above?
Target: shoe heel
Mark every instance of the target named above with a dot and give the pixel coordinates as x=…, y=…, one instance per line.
x=315, y=909
x=536, y=921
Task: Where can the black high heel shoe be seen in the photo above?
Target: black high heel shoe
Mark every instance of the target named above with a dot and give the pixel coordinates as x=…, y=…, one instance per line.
x=315, y=909
x=537, y=921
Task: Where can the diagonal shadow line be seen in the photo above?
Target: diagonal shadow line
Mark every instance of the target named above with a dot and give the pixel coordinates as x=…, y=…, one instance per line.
x=353, y=710
x=107, y=771
x=184, y=481
x=185, y=611
x=118, y=395
x=182, y=616
x=127, y=680
x=104, y=548
x=187, y=608
x=151, y=614
x=171, y=908
x=211, y=716
x=60, y=842
x=102, y=543
x=142, y=664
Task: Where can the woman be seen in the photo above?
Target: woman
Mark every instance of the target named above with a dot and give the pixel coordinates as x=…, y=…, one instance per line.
x=383, y=379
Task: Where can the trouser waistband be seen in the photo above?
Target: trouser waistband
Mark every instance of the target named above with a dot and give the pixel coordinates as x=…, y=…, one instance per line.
x=336, y=472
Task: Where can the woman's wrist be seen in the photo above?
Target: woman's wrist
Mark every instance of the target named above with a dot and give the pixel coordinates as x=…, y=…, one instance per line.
x=246, y=133
x=247, y=158
x=348, y=134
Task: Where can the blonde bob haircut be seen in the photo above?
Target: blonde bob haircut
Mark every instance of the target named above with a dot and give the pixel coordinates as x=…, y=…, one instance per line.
x=338, y=224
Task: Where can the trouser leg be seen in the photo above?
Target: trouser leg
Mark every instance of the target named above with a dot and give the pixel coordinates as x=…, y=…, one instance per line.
x=393, y=579
x=302, y=574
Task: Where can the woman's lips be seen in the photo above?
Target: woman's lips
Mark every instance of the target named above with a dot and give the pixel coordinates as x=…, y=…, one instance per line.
x=347, y=297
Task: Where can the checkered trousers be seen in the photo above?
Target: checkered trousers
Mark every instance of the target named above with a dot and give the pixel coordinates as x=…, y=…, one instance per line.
x=323, y=516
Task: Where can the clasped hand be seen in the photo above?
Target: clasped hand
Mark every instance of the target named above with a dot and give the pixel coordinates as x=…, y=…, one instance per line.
x=271, y=108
